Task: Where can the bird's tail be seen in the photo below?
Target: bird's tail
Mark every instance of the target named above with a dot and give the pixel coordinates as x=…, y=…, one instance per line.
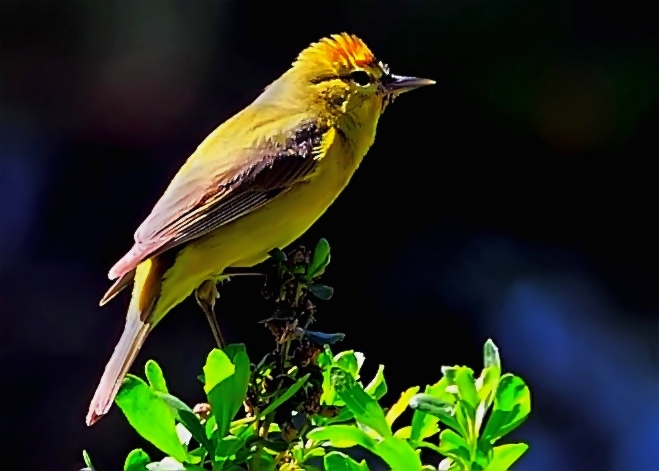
x=138, y=325
x=124, y=355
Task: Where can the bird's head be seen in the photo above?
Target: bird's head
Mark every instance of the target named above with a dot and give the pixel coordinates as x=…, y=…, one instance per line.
x=341, y=73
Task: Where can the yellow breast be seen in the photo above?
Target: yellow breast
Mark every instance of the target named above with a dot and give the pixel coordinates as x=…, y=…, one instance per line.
x=286, y=218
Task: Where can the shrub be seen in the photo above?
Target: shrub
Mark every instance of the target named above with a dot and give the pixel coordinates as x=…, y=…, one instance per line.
x=302, y=404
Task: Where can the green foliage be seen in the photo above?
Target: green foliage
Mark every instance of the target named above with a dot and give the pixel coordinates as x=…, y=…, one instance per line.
x=136, y=460
x=462, y=403
x=303, y=404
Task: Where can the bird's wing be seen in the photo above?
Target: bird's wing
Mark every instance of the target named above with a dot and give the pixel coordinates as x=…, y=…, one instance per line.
x=199, y=200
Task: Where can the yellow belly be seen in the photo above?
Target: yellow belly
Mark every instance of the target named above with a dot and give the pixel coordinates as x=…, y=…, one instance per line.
x=247, y=241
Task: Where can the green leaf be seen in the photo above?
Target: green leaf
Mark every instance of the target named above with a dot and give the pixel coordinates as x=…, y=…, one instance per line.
x=512, y=404
x=136, y=460
x=436, y=407
x=322, y=292
x=199, y=453
x=314, y=452
x=401, y=404
x=228, y=446
x=87, y=459
x=325, y=358
x=464, y=415
x=218, y=367
x=290, y=392
x=506, y=455
x=461, y=382
x=342, y=436
x=403, y=432
x=150, y=416
x=439, y=390
x=320, y=259
x=487, y=383
x=227, y=396
x=398, y=454
x=491, y=355
x=378, y=386
x=210, y=427
x=430, y=446
x=344, y=415
x=266, y=462
x=483, y=455
x=347, y=361
x=463, y=378
x=155, y=377
x=337, y=461
x=367, y=411
x=188, y=419
x=455, y=447
x=325, y=362
x=424, y=425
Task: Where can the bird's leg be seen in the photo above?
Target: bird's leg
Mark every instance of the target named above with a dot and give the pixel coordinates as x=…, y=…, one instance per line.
x=206, y=294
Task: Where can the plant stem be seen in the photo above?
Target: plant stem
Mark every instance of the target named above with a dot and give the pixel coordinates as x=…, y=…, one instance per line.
x=263, y=433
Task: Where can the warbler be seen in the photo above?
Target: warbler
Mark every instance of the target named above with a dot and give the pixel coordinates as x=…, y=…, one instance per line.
x=256, y=183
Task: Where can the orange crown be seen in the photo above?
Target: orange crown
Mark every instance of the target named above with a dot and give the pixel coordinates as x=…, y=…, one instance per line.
x=342, y=51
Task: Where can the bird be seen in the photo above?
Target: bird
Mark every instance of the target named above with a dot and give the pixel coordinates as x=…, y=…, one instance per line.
x=254, y=184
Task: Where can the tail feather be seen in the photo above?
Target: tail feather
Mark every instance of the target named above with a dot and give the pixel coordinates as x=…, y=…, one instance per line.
x=117, y=287
x=132, y=339
x=139, y=322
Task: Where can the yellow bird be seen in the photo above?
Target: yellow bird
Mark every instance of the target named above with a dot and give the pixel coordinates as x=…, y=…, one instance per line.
x=257, y=182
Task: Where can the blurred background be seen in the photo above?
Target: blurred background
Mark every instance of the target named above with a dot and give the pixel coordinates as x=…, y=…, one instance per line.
x=516, y=199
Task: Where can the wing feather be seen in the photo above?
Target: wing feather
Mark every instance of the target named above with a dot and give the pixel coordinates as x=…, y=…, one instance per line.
x=198, y=202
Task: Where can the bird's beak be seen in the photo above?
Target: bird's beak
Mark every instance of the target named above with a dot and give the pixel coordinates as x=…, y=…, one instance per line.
x=397, y=84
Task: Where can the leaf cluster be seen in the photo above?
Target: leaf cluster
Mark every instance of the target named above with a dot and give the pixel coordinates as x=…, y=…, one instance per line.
x=301, y=404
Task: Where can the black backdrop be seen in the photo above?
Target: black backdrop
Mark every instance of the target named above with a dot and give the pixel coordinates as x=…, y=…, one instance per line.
x=516, y=199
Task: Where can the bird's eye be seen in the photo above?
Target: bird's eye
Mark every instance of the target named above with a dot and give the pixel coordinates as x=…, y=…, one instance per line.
x=360, y=77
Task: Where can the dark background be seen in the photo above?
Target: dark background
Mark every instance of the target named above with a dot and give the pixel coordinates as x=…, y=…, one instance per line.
x=516, y=199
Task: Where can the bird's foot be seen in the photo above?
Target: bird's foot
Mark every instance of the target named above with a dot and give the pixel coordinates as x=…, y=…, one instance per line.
x=206, y=294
